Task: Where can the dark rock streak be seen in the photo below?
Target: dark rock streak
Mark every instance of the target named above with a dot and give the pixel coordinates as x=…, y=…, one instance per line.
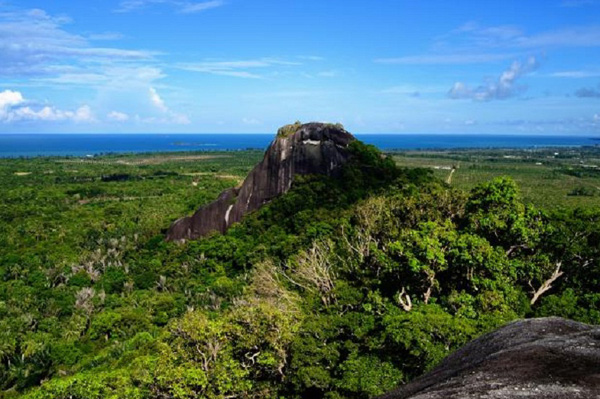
x=314, y=148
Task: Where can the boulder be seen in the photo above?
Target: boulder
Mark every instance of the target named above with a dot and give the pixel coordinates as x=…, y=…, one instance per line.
x=537, y=358
x=298, y=149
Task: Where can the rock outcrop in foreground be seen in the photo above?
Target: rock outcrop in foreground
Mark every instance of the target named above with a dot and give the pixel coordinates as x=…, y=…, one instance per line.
x=299, y=149
x=538, y=358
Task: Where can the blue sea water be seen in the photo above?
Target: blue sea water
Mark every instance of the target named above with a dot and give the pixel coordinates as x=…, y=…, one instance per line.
x=31, y=145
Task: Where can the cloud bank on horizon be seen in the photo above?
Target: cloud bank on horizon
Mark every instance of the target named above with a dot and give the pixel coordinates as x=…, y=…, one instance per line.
x=240, y=66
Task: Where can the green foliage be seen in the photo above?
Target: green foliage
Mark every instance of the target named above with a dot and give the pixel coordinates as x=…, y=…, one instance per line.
x=369, y=374
x=425, y=335
x=546, y=180
x=342, y=288
x=582, y=191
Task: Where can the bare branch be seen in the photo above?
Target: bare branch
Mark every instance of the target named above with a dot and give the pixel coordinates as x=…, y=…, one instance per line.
x=431, y=281
x=404, y=300
x=314, y=271
x=515, y=247
x=546, y=285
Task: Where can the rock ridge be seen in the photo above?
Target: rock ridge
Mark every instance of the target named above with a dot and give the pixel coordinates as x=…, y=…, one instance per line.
x=298, y=149
x=535, y=358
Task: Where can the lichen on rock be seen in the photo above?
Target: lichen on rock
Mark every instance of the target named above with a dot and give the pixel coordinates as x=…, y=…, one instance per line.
x=288, y=130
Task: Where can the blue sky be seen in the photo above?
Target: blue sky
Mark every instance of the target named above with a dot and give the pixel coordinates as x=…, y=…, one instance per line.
x=252, y=65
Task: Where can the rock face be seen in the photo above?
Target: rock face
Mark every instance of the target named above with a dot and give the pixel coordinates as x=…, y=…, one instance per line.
x=312, y=148
x=538, y=358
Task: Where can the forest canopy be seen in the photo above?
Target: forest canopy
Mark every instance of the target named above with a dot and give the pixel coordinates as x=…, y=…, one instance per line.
x=342, y=288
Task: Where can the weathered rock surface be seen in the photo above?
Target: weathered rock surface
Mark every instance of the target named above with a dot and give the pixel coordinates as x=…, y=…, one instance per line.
x=312, y=148
x=537, y=358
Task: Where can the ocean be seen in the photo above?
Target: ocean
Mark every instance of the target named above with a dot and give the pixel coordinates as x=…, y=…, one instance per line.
x=32, y=145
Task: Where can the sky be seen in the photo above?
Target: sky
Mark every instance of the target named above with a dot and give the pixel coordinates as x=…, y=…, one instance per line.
x=236, y=66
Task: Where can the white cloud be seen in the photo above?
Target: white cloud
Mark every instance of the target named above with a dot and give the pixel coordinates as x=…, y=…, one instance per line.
x=238, y=68
x=472, y=43
x=35, y=43
x=117, y=116
x=251, y=121
x=157, y=101
x=118, y=77
x=585, y=36
x=168, y=116
x=14, y=108
x=504, y=87
x=443, y=59
x=576, y=74
x=48, y=114
x=177, y=119
x=35, y=46
x=185, y=7
x=9, y=98
x=189, y=8
x=83, y=114
x=474, y=36
x=106, y=36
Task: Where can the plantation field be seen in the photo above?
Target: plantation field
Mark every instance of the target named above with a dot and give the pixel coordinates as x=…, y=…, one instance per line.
x=63, y=203
x=548, y=178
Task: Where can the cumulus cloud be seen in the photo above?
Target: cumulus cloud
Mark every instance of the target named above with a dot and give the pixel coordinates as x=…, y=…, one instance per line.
x=15, y=108
x=9, y=98
x=503, y=87
x=50, y=114
x=168, y=116
x=157, y=101
x=588, y=92
x=117, y=116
